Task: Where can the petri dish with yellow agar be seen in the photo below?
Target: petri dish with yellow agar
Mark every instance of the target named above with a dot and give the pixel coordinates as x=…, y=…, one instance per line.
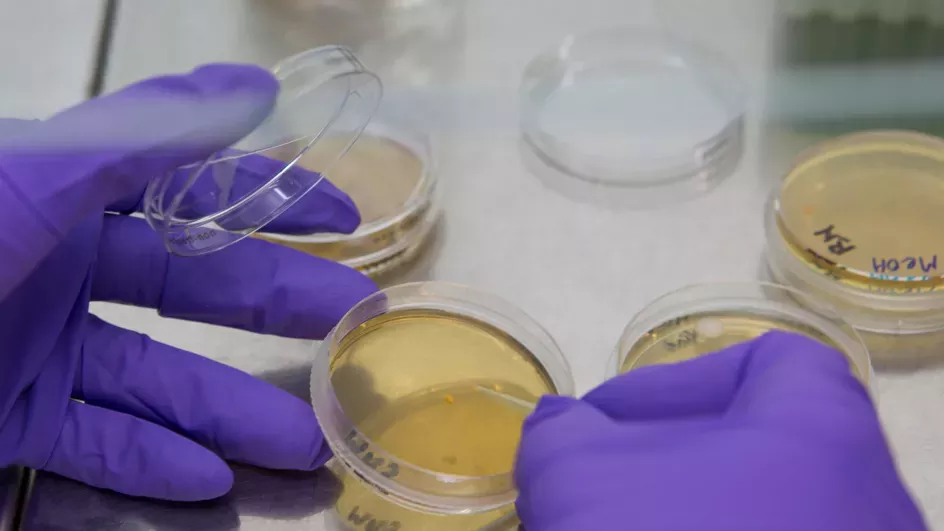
x=706, y=318
x=390, y=175
x=422, y=390
x=857, y=223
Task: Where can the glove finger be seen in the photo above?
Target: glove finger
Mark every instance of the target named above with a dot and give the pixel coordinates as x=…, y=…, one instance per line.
x=235, y=415
x=701, y=386
x=82, y=159
x=568, y=442
x=561, y=427
x=111, y=450
x=13, y=127
x=253, y=285
x=792, y=376
x=110, y=147
x=708, y=385
x=558, y=426
x=324, y=209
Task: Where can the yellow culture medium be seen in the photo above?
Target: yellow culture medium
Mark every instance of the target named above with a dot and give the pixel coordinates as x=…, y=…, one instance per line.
x=702, y=319
x=424, y=390
x=689, y=337
x=393, y=189
x=857, y=223
x=870, y=211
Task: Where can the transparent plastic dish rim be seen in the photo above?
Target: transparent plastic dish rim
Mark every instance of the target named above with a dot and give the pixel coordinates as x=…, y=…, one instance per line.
x=339, y=522
x=165, y=222
x=691, y=161
x=779, y=255
x=716, y=297
x=453, y=298
x=420, y=145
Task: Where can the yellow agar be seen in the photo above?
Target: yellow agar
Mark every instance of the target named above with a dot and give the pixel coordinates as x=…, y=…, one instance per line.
x=868, y=211
x=417, y=385
x=360, y=508
x=695, y=335
x=386, y=181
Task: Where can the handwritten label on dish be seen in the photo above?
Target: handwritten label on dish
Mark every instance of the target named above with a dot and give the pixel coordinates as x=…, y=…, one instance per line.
x=908, y=263
x=362, y=449
x=683, y=339
x=369, y=523
x=840, y=245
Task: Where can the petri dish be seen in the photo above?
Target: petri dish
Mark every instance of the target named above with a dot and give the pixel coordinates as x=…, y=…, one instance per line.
x=856, y=222
x=421, y=391
x=325, y=93
x=705, y=318
x=631, y=117
x=390, y=175
x=361, y=508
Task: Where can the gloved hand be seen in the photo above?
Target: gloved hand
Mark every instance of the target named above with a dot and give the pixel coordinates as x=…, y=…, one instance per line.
x=149, y=420
x=771, y=435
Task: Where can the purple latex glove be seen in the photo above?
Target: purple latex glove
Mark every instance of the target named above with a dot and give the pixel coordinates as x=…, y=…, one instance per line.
x=153, y=420
x=770, y=435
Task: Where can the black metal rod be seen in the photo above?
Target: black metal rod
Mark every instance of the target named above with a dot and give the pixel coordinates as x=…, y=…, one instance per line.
x=103, y=50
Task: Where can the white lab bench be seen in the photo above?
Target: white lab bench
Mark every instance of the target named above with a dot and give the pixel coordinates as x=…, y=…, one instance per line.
x=580, y=270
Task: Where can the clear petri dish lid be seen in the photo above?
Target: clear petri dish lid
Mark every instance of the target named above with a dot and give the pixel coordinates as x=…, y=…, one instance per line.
x=867, y=209
x=628, y=116
x=325, y=101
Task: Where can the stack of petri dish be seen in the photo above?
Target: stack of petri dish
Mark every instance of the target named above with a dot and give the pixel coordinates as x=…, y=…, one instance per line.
x=857, y=224
x=326, y=100
x=855, y=247
x=328, y=122
x=390, y=174
x=421, y=391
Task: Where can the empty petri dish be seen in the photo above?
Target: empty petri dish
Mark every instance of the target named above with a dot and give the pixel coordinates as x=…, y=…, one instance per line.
x=390, y=175
x=856, y=222
x=325, y=93
x=629, y=116
x=421, y=391
x=706, y=318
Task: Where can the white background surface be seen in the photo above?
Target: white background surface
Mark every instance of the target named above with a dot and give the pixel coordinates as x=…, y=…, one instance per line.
x=47, y=54
x=581, y=271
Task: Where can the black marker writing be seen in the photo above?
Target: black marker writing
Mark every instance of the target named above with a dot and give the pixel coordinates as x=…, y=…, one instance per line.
x=841, y=245
x=685, y=338
x=669, y=325
x=199, y=237
x=360, y=448
x=370, y=523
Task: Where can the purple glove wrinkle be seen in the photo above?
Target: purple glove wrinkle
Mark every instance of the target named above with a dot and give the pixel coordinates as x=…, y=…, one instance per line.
x=775, y=434
x=155, y=421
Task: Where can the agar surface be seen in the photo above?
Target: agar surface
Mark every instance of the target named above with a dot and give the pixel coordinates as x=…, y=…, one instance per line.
x=695, y=335
x=868, y=213
x=420, y=387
